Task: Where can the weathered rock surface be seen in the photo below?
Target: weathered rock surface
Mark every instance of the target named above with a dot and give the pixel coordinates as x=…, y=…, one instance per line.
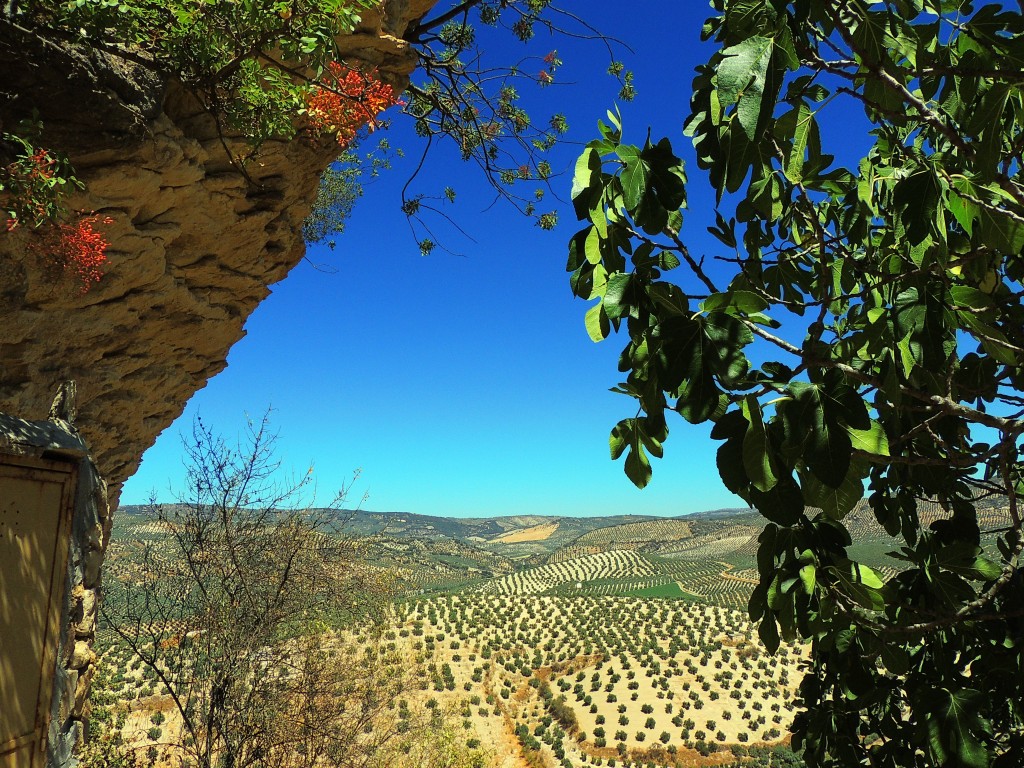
x=194, y=243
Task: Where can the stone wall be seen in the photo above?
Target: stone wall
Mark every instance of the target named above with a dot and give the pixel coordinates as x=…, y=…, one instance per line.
x=194, y=245
x=90, y=531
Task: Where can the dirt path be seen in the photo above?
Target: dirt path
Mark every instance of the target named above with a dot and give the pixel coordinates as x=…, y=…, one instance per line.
x=732, y=577
x=688, y=591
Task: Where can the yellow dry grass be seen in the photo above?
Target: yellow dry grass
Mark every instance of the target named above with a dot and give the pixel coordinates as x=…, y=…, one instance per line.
x=533, y=533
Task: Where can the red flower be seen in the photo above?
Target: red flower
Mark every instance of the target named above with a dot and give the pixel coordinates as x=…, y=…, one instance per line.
x=42, y=164
x=348, y=100
x=79, y=248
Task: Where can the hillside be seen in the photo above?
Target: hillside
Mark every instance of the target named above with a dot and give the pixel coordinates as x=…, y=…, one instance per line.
x=628, y=637
x=532, y=554
x=640, y=624
x=512, y=536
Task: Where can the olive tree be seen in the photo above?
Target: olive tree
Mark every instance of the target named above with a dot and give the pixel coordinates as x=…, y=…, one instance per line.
x=881, y=298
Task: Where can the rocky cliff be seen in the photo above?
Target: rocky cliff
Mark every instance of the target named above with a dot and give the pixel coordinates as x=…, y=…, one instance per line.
x=195, y=242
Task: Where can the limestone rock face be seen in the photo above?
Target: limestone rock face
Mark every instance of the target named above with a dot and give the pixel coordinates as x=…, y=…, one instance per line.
x=194, y=244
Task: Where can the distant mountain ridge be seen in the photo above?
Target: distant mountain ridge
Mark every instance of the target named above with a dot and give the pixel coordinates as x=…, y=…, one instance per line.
x=495, y=533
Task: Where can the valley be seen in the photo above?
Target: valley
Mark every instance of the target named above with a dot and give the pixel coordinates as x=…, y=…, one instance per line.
x=539, y=641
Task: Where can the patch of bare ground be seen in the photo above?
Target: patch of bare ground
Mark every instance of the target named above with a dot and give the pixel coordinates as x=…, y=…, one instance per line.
x=648, y=675
x=533, y=533
x=654, y=680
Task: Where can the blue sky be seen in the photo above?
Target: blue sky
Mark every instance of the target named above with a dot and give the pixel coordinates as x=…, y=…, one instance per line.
x=466, y=384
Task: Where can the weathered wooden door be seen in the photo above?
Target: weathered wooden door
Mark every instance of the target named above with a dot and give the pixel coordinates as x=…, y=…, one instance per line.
x=36, y=502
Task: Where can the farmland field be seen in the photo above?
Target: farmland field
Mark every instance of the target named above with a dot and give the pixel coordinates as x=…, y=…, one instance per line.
x=630, y=675
x=633, y=533
x=539, y=642
x=613, y=648
x=533, y=533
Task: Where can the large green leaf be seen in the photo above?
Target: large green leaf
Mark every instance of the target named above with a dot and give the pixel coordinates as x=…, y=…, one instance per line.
x=619, y=297
x=597, y=322
x=768, y=631
x=587, y=172
x=741, y=79
x=722, y=340
x=834, y=502
x=860, y=583
x=734, y=302
x=783, y=503
x=620, y=437
x=917, y=198
x=802, y=118
x=744, y=17
x=629, y=435
x=961, y=203
x=638, y=467
x=1001, y=230
x=729, y=459
x=667, y=177
x=700, y=399
x=635, y=175
x=826, y=444
x=808, y=575
x=956, y=728
x=872, y=440
x=756, y=450
x=592, y=246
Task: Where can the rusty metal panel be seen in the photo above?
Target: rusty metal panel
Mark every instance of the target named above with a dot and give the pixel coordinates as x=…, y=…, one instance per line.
x=36, y=500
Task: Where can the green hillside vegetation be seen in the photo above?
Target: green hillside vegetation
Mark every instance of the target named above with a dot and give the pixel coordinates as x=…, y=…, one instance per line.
x=474, y=531
x=614, y=564
x=724, y=541
x=482, y=627
x=637, y=534
x=612, y=671
x=669, y=589
x=445, y=553
x=660, y=624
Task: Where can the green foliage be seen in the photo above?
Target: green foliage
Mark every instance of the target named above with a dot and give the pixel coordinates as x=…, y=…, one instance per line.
x=902, y=272
x=254, y=65
x=253, y=62
x=33, y=181
x=258, y=67
x=489, y=125
x=335, y=198
x=262, y=67
x=341, y=187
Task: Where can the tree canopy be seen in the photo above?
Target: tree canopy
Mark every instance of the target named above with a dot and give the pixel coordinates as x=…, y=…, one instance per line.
x=860, y=333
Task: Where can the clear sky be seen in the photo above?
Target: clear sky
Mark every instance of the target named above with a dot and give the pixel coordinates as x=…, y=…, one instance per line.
x=466, y=384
